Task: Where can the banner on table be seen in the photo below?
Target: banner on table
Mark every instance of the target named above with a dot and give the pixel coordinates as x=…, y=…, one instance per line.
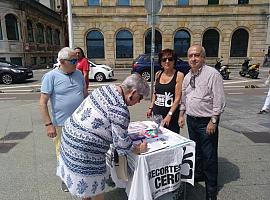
x=167, y=170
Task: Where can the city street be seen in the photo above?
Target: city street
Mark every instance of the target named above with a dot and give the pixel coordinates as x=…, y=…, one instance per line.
x=240, y=94
x=241, y=97
x=28, y=163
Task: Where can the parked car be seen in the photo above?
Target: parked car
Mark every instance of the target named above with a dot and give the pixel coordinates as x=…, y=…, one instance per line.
x=142, y=65
x=11, y=73
x=100, y=72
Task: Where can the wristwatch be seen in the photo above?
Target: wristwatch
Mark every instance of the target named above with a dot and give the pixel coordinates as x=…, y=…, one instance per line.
x=214, y=120
x=170, y=113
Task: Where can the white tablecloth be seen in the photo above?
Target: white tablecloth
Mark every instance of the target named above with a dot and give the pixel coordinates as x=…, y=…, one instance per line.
x=154, y=174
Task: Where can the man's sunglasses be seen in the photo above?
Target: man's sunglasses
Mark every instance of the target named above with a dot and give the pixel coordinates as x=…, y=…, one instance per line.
x=72, y=61
x=192, y=81
x=170, y=59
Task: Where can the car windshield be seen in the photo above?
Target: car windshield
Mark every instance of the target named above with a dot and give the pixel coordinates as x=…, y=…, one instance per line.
x=8, y=64
x=91, y=64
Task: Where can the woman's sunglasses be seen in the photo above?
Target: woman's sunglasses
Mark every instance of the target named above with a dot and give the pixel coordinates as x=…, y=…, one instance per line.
x=170, y=59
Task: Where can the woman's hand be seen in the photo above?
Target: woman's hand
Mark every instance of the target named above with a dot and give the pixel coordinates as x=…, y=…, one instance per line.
x=143, y=147
x=166, y=121
x=140, y=148
x=149, y=112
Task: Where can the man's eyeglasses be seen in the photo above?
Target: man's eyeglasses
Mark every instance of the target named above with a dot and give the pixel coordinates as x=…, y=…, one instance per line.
x=170, y=59
x=192, y=81
x=72, y=61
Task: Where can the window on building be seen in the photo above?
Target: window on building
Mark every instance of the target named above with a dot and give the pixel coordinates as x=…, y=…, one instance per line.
x=123, y=3
x=30, y=34
x=93, y=3
x=12, y=27
x=49, y=35
x=239, y=43
x=33, y=60
x=124, y=44
x=95, y=44
x=2, y=58
x=242, y=1
x=40, y=33
x=51, y=59
x=211, y=2
x=158, y=41
x=183, y=2
x=1, y=35
x=181, y=43
x=16, y=60
x=56, y=37
x=42, y=60
x=211, y=42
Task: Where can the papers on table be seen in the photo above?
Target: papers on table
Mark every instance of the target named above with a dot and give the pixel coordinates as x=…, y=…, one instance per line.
x=165, y=139
x=155, y=146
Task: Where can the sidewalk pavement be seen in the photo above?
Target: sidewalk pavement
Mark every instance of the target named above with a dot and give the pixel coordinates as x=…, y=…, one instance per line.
x=28, y=162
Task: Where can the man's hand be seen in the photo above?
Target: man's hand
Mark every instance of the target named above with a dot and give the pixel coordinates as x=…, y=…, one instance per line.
x=181, y=121
x=211, y=128
x=51, y=131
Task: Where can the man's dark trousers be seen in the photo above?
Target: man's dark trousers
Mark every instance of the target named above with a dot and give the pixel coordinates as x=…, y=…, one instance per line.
x=206, y=156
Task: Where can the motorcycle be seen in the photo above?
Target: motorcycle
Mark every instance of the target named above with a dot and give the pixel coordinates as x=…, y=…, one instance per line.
x=252, y=70
x=223, y=70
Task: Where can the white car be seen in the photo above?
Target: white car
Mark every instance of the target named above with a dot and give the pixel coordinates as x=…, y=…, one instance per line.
x=100, y=72
x=97, y=72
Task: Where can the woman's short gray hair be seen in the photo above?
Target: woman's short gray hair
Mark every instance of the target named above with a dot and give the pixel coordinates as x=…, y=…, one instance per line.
x=136, y=82
x=64, y=53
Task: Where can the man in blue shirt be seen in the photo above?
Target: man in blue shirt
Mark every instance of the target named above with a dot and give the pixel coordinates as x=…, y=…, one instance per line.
x=65, y=87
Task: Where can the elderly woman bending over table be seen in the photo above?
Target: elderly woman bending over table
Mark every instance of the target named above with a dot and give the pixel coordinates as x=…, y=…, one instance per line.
x=101, y=119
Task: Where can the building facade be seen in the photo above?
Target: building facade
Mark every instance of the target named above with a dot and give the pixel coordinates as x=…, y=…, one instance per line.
x=31, y=34
x=116, y=31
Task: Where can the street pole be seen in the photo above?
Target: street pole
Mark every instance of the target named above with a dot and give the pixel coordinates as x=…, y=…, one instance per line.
x=152, y=50
x=70, y=24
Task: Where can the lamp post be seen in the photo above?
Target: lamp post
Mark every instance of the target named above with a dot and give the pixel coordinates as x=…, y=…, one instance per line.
x=153, y=7
x=70, y=24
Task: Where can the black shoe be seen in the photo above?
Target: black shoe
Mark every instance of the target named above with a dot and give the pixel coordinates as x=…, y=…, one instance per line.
x=211, y=196
x=64, y=187
x=198, y=178
x=263, y=112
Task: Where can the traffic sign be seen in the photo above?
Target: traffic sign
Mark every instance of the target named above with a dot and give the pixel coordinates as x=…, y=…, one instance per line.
x=157, y=6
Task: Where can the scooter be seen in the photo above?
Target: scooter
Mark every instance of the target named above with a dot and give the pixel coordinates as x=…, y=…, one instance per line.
x=251, y=70
x=223, y=70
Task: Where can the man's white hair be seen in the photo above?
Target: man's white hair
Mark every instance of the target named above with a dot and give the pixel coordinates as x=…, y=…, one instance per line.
x=64, y=53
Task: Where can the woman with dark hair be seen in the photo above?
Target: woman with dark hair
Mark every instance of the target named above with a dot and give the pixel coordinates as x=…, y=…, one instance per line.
x=82, y=65
x=167, y=92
